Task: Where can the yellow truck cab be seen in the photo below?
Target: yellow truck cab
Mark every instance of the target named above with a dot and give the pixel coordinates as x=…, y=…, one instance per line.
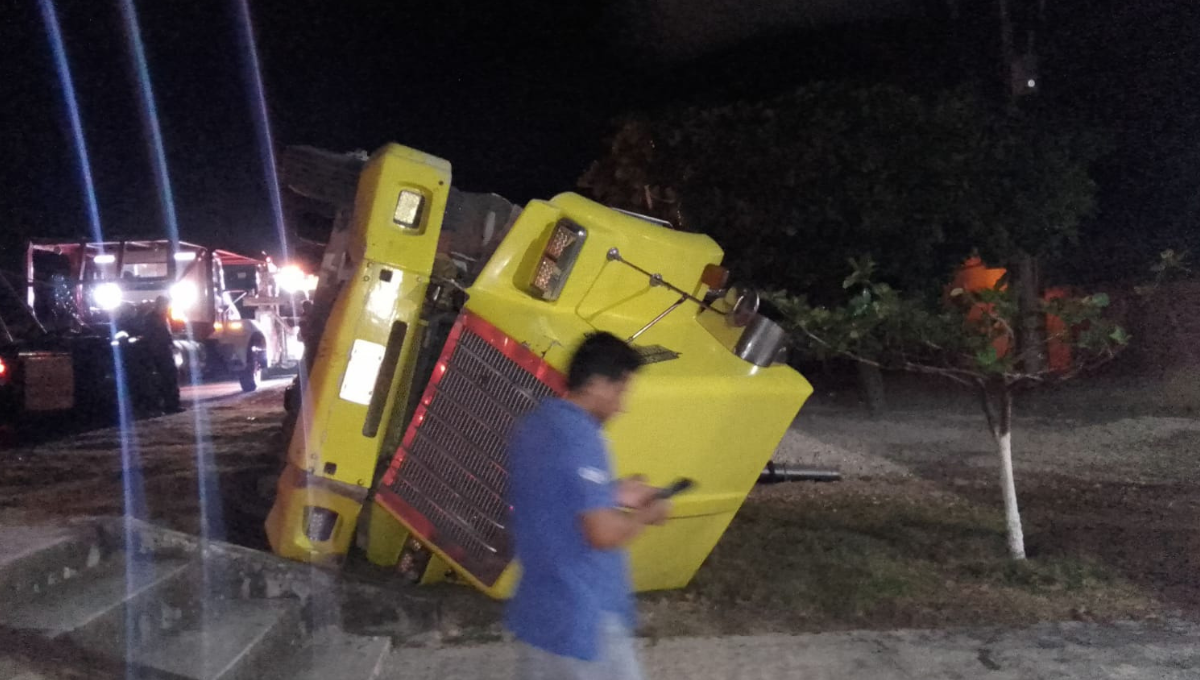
x=455, y=314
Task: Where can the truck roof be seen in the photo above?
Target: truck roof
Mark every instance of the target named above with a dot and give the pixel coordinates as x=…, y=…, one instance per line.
x=96, y=247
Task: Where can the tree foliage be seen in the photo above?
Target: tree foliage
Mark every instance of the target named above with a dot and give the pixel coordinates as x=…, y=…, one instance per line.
x=793, y=186
x=967, y=337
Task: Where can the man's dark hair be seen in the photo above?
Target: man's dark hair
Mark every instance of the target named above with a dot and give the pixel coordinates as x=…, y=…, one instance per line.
x=604, y=355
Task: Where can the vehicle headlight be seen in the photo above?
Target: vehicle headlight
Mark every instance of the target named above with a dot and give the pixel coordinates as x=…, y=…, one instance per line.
x=183, y=294
x=108, y=296
x=290, y=279
x=557, y=260
x=408, y=210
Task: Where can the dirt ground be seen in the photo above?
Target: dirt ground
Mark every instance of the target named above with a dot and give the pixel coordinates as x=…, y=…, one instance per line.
x=1108, y=475
x=1108, y=469
x=183, y=481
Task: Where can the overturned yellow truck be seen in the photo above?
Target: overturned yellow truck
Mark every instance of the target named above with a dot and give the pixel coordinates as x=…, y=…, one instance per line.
x=449, y=315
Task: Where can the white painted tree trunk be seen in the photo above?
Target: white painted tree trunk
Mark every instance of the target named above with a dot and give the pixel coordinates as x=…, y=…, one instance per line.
x=997, y=406
x=1012, y=514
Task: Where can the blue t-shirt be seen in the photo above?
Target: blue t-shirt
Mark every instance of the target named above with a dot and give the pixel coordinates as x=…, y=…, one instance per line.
x=559, y=469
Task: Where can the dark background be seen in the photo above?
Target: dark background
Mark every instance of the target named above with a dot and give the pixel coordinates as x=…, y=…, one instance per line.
x=519, y=95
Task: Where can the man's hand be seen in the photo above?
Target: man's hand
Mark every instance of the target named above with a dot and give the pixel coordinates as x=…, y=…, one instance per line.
x=656, y=511
x=633, y=492
x=610, y=528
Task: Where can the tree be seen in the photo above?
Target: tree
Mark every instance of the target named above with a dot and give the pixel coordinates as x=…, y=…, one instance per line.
x=795, y=185
x=967, y=338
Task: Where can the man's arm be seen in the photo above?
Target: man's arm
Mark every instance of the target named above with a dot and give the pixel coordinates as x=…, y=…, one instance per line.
x=609, y=528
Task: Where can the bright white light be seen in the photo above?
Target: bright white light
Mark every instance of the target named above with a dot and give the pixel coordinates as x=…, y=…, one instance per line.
x=104, y=259
x=185, y=257
x=1032, y=83
x=183, y=294
x=108, y=296
x=290, y=279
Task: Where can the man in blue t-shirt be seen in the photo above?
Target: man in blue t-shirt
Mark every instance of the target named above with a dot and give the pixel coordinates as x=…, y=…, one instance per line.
x=573, y=610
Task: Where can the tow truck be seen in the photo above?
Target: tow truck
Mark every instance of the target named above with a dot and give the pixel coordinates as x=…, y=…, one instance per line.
x=444, y=316
x=229, y=314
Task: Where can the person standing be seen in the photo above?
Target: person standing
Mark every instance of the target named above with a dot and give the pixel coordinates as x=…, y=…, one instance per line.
x=573, y=611
x=157, y=331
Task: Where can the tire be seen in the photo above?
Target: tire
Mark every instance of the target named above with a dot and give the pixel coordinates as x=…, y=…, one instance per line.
x=252, y=375
x=291, y=398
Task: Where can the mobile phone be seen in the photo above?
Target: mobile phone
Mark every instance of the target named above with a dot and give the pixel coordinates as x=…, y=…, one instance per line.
x=678, y=486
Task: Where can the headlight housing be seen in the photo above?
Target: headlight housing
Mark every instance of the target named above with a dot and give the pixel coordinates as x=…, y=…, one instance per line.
x=408, y=210
x=558, y=258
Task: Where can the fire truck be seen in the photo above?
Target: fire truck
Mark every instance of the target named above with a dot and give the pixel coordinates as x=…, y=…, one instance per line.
x=444, y=316
x=228, y=312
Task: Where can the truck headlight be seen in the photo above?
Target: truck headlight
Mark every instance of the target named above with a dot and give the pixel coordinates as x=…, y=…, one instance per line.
x=557, y=260
x=408, y=210
x=108, y=296
x=183, y=294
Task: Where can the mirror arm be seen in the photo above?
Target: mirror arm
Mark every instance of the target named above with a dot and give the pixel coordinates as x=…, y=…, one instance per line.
x=614, y=255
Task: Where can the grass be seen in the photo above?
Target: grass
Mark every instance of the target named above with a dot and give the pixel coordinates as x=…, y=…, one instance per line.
x=853, y=555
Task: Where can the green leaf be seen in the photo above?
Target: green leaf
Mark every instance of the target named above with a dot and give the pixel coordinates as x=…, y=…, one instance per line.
x=1119, y=336
x=1099, y=299
x=987, y=357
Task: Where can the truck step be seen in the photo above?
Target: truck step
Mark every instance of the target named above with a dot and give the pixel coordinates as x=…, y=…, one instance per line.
x=102, y=592
x=231, y=640
x=331, y=653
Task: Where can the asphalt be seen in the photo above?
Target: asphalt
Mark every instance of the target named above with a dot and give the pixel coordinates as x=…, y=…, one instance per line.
x=1158, y=650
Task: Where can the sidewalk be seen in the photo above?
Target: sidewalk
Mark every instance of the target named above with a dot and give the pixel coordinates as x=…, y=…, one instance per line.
x=1167, y=650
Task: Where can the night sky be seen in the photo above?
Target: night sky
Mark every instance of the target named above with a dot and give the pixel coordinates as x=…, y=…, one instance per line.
x=519, y=95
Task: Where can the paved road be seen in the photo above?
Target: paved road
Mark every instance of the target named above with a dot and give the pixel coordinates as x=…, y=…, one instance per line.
x=1085, y=651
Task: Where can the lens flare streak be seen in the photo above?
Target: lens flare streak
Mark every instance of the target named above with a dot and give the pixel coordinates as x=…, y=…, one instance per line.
x=262, y=120
x=150, y=116
x=132, y=484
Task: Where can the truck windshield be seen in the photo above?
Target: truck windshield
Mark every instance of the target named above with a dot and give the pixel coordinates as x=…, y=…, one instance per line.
x=104, y=270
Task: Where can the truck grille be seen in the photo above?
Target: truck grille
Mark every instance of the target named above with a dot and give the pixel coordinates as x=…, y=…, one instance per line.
x=449, y=477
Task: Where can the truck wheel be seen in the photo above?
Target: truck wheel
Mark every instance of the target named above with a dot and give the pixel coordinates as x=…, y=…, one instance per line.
x=252, y=375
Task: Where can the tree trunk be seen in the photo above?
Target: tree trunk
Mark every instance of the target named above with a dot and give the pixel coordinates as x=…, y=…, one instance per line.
x=1031, y=342
x=1002, y=434
x=870, y=381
